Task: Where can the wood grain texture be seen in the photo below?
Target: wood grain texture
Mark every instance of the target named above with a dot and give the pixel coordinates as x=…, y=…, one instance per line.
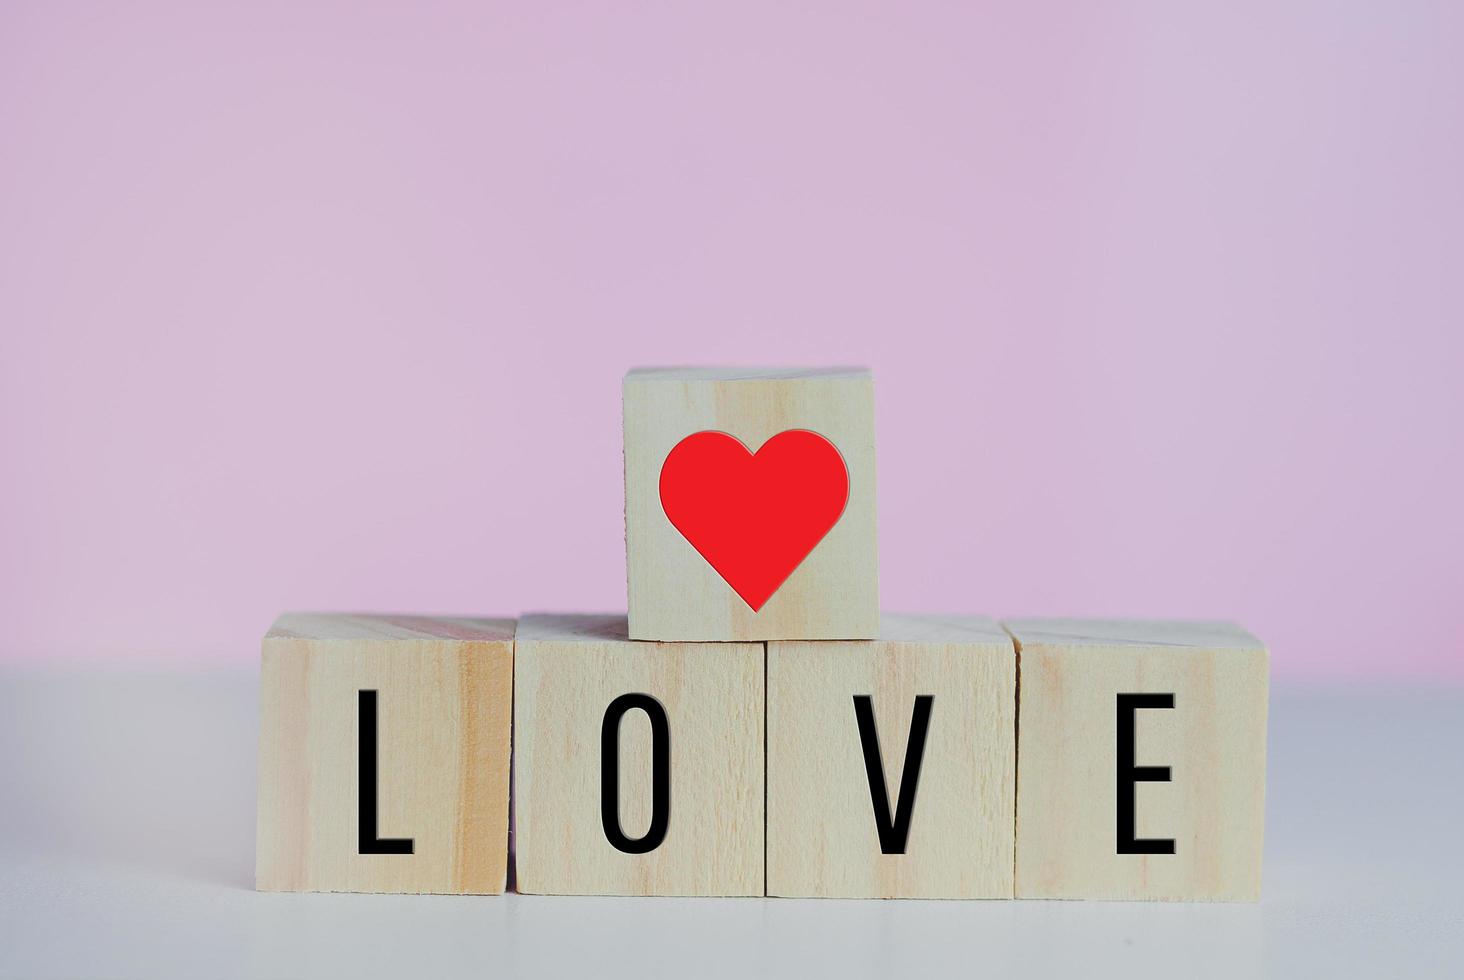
x=822, y=839
x=1213, y=740
x=444, y=706
x=674, y=593
x=569, y=669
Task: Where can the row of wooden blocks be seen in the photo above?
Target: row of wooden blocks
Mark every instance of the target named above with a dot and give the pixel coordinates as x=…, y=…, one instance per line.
x=947, y=758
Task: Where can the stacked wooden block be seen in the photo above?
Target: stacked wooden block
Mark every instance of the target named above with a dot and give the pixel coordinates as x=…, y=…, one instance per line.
x=754, y=726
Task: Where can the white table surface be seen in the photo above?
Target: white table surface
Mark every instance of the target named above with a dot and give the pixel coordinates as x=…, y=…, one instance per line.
x=127, y=843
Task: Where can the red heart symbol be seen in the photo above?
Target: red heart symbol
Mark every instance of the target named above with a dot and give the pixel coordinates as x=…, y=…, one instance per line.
x=754, y=516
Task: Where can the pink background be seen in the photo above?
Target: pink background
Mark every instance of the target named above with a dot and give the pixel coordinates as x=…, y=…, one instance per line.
x=326, y=305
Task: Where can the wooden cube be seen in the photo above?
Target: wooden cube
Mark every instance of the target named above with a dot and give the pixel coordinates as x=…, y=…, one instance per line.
x=384, y=754
x=749, y=504
x=1142, y=760
x=915, y=799
x=638, y=767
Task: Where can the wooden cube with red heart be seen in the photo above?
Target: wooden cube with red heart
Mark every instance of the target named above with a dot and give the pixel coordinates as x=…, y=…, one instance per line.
x=749, y=504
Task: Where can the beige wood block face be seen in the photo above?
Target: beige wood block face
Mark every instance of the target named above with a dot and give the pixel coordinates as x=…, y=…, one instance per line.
x=1213, y=740
x=443, y=708
x=674, y=593
x=822, y=835
x=569, y=670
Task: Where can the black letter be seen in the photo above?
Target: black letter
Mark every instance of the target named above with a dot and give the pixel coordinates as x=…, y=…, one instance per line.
x=610, y=773
x=892, y=833
x=1129, y=775
x=368, y=842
